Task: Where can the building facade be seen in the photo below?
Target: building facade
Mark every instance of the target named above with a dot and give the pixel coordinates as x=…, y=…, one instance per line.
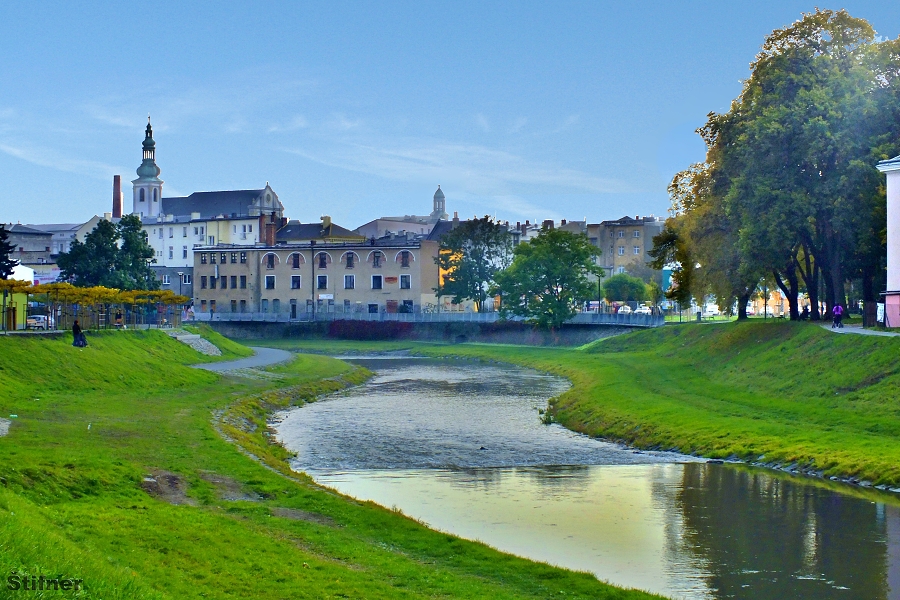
x=288, y=280
x=625, y=241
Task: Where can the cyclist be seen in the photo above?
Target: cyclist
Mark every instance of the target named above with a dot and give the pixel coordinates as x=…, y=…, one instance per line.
x=838, y=313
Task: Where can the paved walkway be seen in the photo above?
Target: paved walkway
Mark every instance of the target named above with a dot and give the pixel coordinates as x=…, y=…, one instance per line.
x=264, y=357
x=858, y=329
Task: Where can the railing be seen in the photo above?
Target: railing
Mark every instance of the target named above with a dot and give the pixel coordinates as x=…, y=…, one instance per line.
x=587, y=318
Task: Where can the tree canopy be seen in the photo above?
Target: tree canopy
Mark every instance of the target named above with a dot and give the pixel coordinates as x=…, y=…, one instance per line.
x=112, y=255
x=625, y=288
x=789, y=187
x=549, y=277
x=470, y=257
x=7, y=262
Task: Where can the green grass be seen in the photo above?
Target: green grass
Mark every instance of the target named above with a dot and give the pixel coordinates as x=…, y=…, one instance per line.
x=93, y=423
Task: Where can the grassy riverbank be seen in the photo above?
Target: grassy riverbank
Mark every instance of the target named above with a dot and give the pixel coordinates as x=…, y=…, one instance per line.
x=791, y=392
x=92, y=424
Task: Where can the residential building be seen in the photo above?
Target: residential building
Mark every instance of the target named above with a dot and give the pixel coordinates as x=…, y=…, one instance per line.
x=287, y=280
x=295, y=232
x=32, y=246
x=625, y=241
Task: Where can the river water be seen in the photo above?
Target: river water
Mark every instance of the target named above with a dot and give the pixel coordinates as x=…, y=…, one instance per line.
x=460, y=446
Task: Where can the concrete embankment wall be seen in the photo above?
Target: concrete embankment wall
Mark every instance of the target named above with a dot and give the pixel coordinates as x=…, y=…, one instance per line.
x=497, y=333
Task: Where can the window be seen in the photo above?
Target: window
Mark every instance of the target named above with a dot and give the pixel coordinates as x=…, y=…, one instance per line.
x=243, y=306
x=349, y=282
x=276, y=305
x=171, y=232
x=373, y=308
x=637, y=249
x=323, y=260
x=212, y=258
x=203, y=282
x=186, y=279
x=243, y=257
x=234, y=282
x=203, y=305
x=322, y=282
x=620, y=270
x=376, y=260
x=155, y=195
x=621, y=234
x=350, y=257
x=184, y=232
x=160, y=233
x=165, y=280
x=211, y=240
x=270, y=261
x=234, y=306
x=234, y=229
x=243, y=282
x=250, y=228
x=201, y=230
x=203, y=258
x=270, y=282
x=184, y=252
x=405, y=281
x=224, y=258
x=224, y=282
x=234, y=258
x=212, y=282
x=195, y=231
x=295, y=260
x=404, y=259
x=377, y=282
x=637, y=233
x=264, y=305
x=621, y=250
x=141, y=195
x=408, y=305
x=171, y=252
x=296, y=281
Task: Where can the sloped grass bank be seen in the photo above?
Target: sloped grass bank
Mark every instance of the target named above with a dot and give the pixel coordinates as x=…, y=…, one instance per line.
x=791, y=393
x=93, y=424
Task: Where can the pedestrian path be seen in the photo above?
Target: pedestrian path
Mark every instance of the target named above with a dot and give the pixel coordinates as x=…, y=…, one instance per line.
x=858, y=329
x=263, y=357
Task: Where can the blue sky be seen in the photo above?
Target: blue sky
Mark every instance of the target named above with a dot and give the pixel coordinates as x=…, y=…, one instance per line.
x=358, y=110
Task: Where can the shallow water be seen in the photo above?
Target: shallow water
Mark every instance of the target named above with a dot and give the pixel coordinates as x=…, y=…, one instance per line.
x=459, y=446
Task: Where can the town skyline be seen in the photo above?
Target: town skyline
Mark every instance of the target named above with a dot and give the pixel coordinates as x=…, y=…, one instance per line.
x=525, y=113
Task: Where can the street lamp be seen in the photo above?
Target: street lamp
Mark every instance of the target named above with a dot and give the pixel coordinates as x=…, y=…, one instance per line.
x=180, y=281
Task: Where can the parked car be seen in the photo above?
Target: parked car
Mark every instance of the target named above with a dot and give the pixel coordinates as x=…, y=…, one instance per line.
x=37, y=322
x=624, y=310
x=643, y=310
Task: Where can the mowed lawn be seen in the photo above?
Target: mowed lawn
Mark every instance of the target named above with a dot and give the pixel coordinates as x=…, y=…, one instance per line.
x=92, y=424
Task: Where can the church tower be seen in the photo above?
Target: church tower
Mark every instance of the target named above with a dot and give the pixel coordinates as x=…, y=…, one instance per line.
x=439, y=211
x=148, y=185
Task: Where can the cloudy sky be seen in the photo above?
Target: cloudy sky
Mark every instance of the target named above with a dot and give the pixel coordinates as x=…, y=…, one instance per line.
x=354, y=109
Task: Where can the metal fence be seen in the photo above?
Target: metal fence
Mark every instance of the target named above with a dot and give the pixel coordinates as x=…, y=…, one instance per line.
x=585, y=318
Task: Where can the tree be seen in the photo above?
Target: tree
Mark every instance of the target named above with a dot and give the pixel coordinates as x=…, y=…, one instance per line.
x=470, y=256
x=7, y=263
x=549, y=277
x=113, y=256
x=623, y=287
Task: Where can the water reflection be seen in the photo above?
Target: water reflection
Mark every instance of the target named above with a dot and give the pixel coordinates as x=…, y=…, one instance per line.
x=412, y=439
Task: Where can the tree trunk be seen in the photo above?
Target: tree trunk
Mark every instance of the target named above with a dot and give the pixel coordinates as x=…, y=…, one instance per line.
x=789, y=290
x=743, y=299
x=810, y=274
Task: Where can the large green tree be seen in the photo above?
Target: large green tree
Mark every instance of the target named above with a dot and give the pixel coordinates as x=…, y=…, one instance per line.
x=7, y=262
x=549, y=277
x=470, y=257
x=112, y=255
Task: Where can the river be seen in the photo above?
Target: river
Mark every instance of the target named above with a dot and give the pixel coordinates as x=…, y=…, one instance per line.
x=460, y=446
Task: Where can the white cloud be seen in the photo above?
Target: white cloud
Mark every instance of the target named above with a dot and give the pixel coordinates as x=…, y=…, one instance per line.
x=50, y=158
x=477, y=169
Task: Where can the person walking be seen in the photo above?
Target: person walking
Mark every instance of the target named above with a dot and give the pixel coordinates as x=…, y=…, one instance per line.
x=838, y=313
x=78, y=334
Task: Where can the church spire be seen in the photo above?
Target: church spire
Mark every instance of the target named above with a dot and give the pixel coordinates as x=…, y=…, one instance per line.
x=148, y=185
x=148, y=168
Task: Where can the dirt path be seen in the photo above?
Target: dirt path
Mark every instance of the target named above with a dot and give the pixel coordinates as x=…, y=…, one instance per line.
x=264, y=357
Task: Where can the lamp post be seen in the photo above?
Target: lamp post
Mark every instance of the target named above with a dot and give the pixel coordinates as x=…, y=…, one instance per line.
x=312, y=280
x=180, y=281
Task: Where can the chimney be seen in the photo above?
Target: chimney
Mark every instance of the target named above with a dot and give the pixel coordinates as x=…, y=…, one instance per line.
x=326, y=221
x=562, y=222
x=270, y=234
x=548, y=224
x=107, y=216
x=455, y=220
x=117, y=197
x=527, y=222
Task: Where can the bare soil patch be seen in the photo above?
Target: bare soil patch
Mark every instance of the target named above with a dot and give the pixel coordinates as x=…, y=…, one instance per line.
x=301, y=515
x=228, y=489
x=168, y=487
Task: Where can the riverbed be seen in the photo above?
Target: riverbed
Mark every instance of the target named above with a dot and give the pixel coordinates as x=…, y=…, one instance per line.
x=461, y=446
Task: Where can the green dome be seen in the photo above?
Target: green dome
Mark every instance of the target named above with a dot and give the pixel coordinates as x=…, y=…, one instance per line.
x=148, y=168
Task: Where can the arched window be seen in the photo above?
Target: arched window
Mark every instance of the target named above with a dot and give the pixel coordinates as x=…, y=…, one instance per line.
x=141, y=194
x=155, y=197
x=351, y=259
x=296, y=259
x=403, y=256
